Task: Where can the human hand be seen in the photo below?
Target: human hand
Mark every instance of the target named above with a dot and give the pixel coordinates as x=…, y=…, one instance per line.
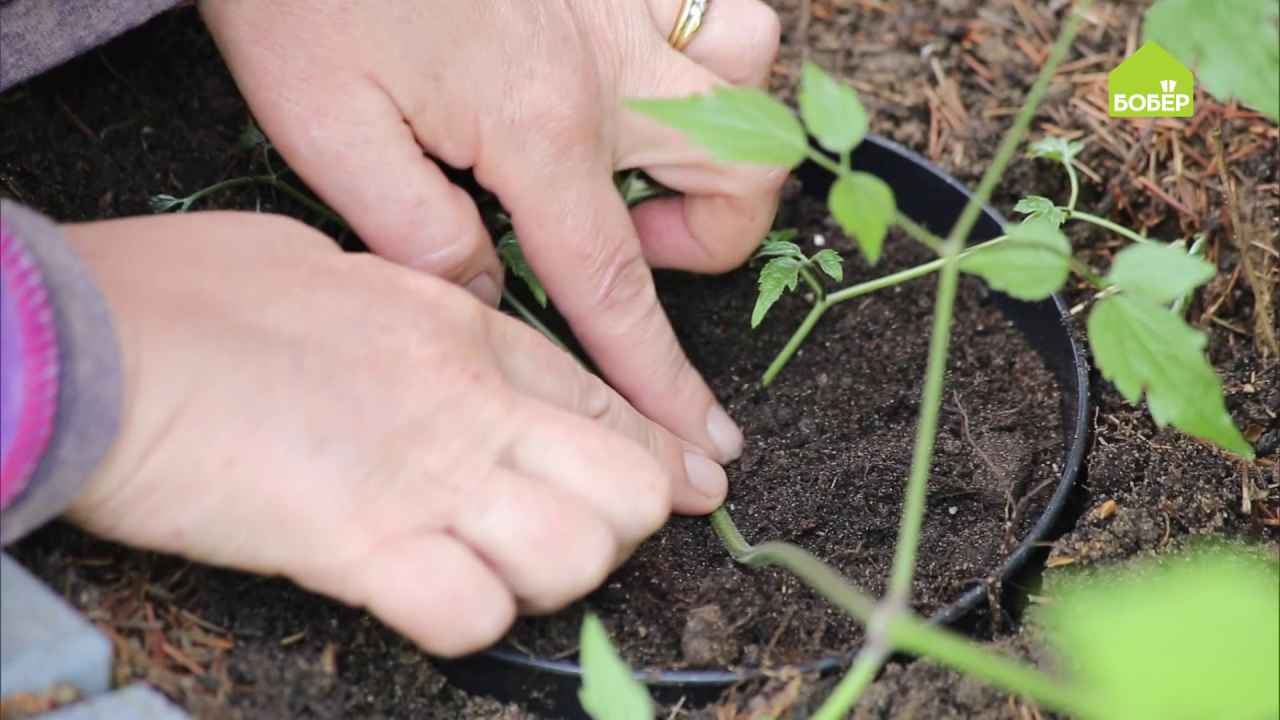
x=373, y=433
x=529, y=95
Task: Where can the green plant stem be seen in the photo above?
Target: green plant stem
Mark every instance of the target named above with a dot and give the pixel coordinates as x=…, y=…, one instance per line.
x=802, y=332
x=919, y=233
x=835, y=168
x=272, y=181
x=819, y=292
x=904, y=560
x=844, y=294
x=864, y=669
x=918, y=637
x=523, y=311
x=901, y=276
x=816, y=574
x=1075, y=186
x=904, y=629
x=1105, y=223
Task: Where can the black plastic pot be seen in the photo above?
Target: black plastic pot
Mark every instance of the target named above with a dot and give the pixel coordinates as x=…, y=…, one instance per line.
x=935, y=199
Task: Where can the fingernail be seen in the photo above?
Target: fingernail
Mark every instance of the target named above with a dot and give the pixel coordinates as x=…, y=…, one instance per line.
x=706, y=476
x=724, y=433
x=483, y=287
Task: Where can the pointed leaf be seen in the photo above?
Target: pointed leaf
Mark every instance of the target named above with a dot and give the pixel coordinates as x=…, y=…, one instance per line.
x=863, y=205
x=513, y=257
x=831, y=110
x=1158, y=272
x=1030, y=264
x=1036, y=207
x=780, y=273
x=609, y=691
x=830, y=262
x=1182, y=637
x=778, y=244
x=1140, y=346
x=734, y=124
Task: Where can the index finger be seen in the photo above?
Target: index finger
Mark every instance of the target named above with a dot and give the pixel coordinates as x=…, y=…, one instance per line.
x=579, y=239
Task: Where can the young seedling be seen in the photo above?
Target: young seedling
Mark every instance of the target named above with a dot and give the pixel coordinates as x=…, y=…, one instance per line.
x=1144, y=353
x=787, y=264
x=1139, y=343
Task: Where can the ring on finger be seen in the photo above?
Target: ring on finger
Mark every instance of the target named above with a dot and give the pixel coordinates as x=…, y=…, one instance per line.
x=688, y=21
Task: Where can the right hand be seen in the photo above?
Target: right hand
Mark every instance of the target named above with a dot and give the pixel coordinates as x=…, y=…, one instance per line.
x=529, y=95
x=373, y=433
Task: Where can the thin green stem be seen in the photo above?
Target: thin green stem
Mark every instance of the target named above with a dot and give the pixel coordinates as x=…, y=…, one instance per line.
x=274, y=182
x=901, y=276
x=816, y=574
x=523, y=311
x=802, y=332
x=864, y=669
x=1105, y=223
x=837, y=169
x=853, y=291
x=919, y=233
x=1075, y=186
x=903, y=629
x=844, y=161
x=819, y=292
x=904, y=560
x=912, y=634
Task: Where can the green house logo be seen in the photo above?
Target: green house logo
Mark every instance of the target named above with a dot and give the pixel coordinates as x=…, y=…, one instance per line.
x=1150, y=83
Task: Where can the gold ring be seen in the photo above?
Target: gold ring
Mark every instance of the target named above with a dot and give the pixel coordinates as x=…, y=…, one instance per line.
x=687, y=23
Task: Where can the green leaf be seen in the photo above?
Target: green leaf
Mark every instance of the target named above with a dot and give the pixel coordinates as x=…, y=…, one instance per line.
x=609, y=691
x=830, y=262
x=1176, y=639
x=1233, y=48
x=831, y=110
x=1030, y=264
x=734, y=124
x=1055, y=148
x=1141, y=346
x=778, y=244
x=1037, y=207
x=863, y=205
x=513, y=257
x=1158, y=272
x=780, y=273
x=165, y=203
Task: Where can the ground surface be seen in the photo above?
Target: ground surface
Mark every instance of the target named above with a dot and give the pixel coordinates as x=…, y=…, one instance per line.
x=156, y=112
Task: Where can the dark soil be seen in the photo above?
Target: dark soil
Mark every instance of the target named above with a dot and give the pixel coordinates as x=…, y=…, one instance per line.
x=156, y=112
x=828, y=449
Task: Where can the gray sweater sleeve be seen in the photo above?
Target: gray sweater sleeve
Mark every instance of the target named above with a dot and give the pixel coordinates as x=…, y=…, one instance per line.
x=36, y=35
x=90, y=377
